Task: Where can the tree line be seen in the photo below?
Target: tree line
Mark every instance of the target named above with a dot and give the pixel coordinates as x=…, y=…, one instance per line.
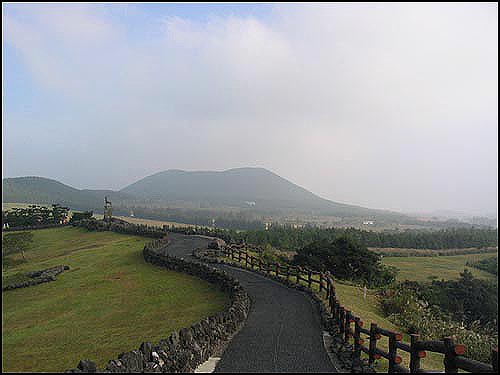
x=487, y=264
x=34, y=215
x=295, y=239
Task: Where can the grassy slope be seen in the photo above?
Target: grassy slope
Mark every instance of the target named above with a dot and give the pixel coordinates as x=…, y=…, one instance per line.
x=108, y=302
x=443, y=267
x=411, y=268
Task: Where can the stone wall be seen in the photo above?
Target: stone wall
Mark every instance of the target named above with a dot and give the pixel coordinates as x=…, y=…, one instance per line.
x=339, y=352
x=183, y=351
x=32, y=227
x=121, y=226
x=37, y=277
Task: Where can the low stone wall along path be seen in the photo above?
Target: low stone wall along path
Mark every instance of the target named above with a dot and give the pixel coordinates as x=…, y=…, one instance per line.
x=283, y=331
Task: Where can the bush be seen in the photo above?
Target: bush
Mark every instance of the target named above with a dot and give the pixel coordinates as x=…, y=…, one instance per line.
x=346, y=259
x=404, y=306
x=467, y=299
x=487, y=264
x=77, y=216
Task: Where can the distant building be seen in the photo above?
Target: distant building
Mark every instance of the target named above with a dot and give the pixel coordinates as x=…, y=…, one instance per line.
x=368, y=222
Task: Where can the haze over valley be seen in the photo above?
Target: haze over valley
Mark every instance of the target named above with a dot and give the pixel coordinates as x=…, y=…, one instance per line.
x=250, y=187
x=248, y=194
x=329, y=97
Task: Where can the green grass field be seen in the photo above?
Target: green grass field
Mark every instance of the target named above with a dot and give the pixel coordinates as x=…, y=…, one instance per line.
x=442, y=267
x=108, y=302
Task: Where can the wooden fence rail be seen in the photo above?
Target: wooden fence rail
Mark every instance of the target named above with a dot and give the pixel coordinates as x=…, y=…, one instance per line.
x=365, y=340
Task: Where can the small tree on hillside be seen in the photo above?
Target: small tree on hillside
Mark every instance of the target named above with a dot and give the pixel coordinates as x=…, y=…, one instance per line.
x=16, y=243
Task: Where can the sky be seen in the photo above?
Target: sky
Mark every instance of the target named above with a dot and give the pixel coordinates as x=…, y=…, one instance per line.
x=389, y=106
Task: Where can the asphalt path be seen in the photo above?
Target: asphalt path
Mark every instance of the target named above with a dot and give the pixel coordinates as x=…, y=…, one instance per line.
x=282, y=332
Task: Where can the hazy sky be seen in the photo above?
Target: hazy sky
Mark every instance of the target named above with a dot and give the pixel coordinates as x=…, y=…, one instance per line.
x=382, y=105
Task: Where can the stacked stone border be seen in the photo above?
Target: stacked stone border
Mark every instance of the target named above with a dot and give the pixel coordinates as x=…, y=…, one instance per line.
x=340, y=353
x=33, y=227
x=349, y=342
x=37, y=277
x=182, y=351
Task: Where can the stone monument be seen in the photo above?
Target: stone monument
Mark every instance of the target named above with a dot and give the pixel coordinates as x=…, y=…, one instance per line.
x=108, y=209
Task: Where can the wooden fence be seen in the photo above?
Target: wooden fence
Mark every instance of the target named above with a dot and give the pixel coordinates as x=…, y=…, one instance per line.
x=364, y=340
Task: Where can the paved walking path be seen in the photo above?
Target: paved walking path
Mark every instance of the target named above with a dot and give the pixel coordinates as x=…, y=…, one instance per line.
x=282, y=332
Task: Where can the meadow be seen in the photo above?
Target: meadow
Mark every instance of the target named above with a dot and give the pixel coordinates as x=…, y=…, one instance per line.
x=150, y=222
x=108, y=302
x=437, y=267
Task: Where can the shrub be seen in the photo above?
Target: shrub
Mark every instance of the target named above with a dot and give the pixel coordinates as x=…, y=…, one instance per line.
x=404, y=306
x=346, y=259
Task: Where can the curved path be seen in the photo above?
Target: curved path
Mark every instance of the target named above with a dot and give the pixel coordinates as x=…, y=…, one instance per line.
x=282, y=332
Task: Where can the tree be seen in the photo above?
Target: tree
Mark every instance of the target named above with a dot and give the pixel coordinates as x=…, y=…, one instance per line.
x=77, y=216
x=468, y=299
x=15, y=243
x=345, y=259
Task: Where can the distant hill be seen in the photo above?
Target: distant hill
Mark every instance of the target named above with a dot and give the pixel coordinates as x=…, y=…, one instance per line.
x=250, y=189
x=256, y=188
x=44, y=190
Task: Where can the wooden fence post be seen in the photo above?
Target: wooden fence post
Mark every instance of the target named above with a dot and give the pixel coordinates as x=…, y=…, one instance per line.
x=347, y=329
x=333, y=309
x=298, y=269
x=373, y=343
x=330, y=296
x=450, y=357
x=341, y=320
x=321, y=282
x=414, y=353
x=328, y=286
x=494, y=359
x=309, y=279
x=392, y=353
x=287, y=272
x=278, y=269
x=356, y=358
x=246, y=259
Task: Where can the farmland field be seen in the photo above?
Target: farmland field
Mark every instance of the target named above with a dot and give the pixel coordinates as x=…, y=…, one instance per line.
x=440, y=267
x=150, y=222
x=108, y=302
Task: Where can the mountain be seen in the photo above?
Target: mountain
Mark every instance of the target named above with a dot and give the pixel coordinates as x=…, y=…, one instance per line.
x=47, y=191
x=241, y=189
x=257, y=188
